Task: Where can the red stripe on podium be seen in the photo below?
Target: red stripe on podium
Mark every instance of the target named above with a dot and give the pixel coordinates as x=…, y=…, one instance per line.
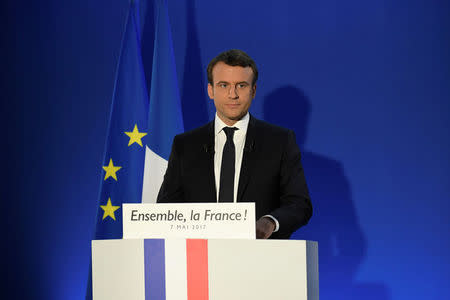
x=197, y=269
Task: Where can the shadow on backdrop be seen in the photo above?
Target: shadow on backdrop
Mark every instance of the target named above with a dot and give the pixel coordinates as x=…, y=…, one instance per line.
x=342, y=245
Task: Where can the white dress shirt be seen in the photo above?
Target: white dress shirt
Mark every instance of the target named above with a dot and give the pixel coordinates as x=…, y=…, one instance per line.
x=219, y=142
x=239, y=142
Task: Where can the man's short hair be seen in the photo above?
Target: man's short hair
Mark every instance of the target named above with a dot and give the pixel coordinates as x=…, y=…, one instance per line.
x=233, y=57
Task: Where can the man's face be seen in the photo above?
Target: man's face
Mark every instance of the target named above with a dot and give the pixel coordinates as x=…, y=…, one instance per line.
x=232, y=91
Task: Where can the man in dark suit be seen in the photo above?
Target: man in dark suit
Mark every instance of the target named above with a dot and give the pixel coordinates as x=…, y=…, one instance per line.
x=237, y=158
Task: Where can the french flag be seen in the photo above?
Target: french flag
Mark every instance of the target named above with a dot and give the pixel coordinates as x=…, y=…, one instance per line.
x=176, y=269
x=165, y=118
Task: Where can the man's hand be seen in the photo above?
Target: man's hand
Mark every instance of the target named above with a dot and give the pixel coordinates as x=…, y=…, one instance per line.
x=264, y=227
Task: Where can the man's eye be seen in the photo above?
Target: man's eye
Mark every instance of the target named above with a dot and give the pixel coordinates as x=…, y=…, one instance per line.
x=222, y=85
x=242, y=85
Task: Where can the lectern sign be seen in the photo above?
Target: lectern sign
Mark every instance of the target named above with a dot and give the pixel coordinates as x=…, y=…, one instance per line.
x=193, y=220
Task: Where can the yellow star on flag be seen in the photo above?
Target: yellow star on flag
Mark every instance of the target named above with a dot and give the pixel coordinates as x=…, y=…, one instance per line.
x=109, y=209
x=111, y=170
x=135, y=136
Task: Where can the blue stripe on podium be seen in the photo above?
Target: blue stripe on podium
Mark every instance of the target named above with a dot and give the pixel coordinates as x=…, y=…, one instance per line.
x=155, y=272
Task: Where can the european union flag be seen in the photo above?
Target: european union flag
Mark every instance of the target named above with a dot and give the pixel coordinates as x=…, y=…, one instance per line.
x=123, y=165
x=140, y=131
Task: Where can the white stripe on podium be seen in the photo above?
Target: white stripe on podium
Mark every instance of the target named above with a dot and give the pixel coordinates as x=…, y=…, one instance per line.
x=176, y=272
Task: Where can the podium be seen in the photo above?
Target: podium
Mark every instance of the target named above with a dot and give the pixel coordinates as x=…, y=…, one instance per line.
x=200, y=269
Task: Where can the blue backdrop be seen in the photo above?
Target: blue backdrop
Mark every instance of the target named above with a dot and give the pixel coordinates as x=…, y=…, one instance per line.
x=365, y=85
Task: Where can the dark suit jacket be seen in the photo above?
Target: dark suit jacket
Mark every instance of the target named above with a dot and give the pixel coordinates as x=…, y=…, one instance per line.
x=271, y=173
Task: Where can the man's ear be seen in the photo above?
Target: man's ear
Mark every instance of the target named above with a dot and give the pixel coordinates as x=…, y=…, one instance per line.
x=254, y=90
x=210, y=91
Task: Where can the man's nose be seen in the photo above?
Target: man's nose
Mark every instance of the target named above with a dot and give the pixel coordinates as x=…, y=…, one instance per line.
x=233, y=92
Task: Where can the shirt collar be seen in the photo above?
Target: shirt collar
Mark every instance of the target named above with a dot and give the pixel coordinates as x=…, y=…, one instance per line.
x=242, y=124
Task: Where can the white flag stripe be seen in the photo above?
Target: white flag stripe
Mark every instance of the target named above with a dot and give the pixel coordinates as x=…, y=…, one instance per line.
x=154, y=170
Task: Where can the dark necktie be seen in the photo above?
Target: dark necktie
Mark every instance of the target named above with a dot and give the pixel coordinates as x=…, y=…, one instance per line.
x=226, y=191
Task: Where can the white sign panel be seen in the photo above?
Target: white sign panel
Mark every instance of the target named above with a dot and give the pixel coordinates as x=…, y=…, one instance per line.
x=189, y=220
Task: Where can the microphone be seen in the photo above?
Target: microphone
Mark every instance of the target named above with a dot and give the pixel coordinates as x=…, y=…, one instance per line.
x=208, y=148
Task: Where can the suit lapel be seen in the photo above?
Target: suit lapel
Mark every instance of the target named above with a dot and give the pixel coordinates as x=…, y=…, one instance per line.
x=248, y=158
